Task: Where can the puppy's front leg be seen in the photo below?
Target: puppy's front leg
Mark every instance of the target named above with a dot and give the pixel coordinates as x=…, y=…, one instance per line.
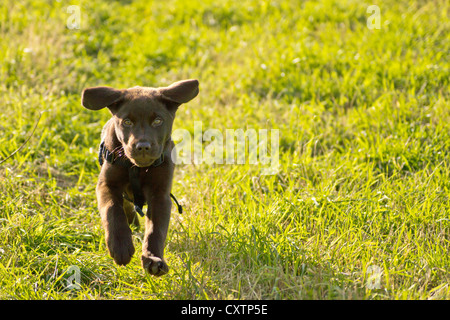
x=117, y=232
x=156, y=226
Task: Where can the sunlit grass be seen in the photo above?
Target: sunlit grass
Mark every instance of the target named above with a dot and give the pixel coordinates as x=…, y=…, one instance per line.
x=364, y=138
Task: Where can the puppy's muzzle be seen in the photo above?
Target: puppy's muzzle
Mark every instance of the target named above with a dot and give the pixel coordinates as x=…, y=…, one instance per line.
x=144, y=153
x=143, y=147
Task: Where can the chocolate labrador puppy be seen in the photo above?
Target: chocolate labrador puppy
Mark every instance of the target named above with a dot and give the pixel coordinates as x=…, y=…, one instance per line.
x=136, y=166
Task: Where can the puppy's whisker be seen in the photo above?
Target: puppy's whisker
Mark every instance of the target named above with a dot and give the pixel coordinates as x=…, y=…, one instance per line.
x=117, y=148
x=119, y=151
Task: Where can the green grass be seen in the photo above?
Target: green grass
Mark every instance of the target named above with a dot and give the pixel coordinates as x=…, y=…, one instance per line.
x=364, y=126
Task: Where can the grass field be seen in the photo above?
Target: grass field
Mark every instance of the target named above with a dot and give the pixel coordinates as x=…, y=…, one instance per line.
x=364, y=124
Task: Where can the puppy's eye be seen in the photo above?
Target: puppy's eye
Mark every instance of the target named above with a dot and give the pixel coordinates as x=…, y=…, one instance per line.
x=157, y=122
x=127, y=122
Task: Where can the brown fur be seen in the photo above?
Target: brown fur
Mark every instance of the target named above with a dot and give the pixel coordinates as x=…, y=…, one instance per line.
x=142, y=143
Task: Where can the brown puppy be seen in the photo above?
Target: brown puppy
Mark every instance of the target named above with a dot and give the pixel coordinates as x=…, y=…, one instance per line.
x=136, y=155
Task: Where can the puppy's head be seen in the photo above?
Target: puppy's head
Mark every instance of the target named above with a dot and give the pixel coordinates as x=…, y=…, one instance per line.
x=142, y=116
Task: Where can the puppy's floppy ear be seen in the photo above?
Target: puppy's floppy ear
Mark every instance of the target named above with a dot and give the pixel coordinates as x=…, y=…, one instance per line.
x=97, y=98
x=180, y=92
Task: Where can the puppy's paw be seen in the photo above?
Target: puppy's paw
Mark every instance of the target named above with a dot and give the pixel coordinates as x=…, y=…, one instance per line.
x=154, y=265
x=120, y=247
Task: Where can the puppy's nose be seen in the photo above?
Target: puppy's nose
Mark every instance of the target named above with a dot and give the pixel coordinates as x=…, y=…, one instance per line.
x=143, y=146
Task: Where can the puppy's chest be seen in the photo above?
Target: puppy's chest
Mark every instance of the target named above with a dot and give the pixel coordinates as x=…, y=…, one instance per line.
x=138, y=180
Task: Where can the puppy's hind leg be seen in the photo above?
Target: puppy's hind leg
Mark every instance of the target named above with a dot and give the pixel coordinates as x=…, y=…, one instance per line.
x=132, y=217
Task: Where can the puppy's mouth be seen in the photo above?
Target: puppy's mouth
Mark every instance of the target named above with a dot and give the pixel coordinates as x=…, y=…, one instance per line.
x=141, y=160
x=142, y=163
